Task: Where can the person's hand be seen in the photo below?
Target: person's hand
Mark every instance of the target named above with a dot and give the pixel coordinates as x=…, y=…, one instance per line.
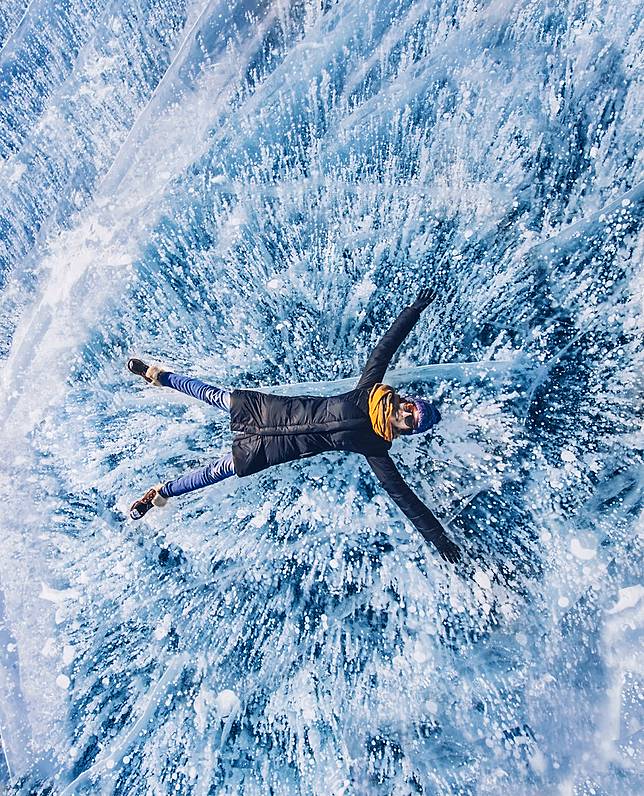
x=424, y=299
x=449, y=551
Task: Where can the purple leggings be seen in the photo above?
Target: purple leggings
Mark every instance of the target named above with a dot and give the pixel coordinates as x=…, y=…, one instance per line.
x=217, y=469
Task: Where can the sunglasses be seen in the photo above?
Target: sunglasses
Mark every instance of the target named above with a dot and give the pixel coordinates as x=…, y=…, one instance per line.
x=408, y=409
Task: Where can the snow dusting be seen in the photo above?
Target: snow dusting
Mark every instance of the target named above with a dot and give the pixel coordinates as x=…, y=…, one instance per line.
x=249, y=193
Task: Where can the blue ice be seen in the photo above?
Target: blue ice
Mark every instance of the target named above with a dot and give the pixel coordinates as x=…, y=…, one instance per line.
x=250, y=192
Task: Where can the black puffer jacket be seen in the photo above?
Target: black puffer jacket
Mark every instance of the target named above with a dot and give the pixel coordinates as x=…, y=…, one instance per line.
x=275, y=429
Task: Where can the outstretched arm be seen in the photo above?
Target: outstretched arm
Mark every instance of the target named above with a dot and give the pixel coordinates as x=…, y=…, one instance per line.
x=416, y=511
x=381, y=355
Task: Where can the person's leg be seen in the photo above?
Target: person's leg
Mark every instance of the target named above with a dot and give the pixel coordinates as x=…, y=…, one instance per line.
x=212, y=473
x=214, y=396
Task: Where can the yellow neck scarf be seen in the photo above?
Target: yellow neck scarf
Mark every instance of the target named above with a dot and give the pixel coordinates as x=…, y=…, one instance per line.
x=381, y=409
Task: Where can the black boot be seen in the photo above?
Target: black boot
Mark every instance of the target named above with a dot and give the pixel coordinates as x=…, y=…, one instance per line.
x=144, y=504
x=150, y=373
x=138, y=367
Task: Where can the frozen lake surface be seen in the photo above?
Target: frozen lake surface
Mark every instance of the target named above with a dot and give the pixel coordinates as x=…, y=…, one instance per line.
x=249, y=193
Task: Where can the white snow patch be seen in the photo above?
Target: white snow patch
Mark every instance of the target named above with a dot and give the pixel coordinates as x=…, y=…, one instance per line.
x=62, y=681
x=261, y=517
x=538, y=761
x=554, y=479
x=581, y=552
x=56, y=595
x=227, y=704
x=16, y=173
x=483, y=579
x=627, y=598
x=419, y=654
x=163, y=628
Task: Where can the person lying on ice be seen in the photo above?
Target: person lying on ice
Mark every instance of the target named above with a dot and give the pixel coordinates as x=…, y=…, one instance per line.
x=273, y=429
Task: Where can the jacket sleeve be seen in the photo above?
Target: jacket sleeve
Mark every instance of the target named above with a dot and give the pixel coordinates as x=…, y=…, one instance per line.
x=409, y=503
x=381, y=355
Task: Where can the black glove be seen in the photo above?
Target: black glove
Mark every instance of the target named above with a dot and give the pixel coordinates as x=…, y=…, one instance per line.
x=449, y=551
x=424, y=299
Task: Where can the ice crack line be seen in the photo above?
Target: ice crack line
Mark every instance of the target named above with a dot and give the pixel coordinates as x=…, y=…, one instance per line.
x=576, y=229
x=118, y=750
x=144, y=110
x=16, y=30
x=401, y=375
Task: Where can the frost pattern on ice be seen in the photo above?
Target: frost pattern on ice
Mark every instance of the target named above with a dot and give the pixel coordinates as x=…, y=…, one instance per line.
x=250, y=193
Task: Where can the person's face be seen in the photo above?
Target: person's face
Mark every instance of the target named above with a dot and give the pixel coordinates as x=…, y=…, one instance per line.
x=405, y=415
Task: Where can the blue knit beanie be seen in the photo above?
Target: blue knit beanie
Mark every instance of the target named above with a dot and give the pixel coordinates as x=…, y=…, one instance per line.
x=428, y=415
